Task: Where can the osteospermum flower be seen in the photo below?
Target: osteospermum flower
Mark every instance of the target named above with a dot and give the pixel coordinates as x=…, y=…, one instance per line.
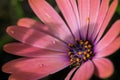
x=77, y=41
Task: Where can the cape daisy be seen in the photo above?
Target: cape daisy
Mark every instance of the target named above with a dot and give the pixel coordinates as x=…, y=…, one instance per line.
x=76, y=41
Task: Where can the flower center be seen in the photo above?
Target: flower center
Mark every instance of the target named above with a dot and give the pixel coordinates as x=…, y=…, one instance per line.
x=80, y=52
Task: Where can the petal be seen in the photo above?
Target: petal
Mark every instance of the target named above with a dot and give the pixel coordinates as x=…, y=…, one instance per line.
x=108, y=17
x=34, y=68
x=85, y=72
x=70, y=73
x=103, y=67
x=51, y=18
x=109, y=37
x=84, y=11
x=110, y=49
x=26, y=76
x=30, y=51
x=75, y=9
x=94, y=9
x=31, y=23
x=69, y=15
x=36, y=38
x=101, y=16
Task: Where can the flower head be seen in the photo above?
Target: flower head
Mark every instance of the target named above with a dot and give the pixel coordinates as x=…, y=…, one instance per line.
x=76, y=41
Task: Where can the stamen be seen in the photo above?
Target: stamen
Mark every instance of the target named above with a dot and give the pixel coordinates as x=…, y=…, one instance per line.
x=69, y=53
x=86, y=46
x=77, y=59
x=70, y=45
x=88, y=55
x=80, y=52
x=88, y=50
x=86, y=42
x=81, y=42
x=85, y=52
x=84, y=58
x=89, y=46
x=88, y=19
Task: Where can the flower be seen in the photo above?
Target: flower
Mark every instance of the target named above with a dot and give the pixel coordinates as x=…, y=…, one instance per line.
x=77, y=42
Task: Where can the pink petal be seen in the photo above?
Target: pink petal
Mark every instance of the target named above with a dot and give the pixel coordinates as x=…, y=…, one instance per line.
x=103, y=67
x=26, y=76
x=76, y=12
x=35, y=68
x=69, y=15
x=109, y=37
x=101, y=16
x=70, y=73
x=108, y=17
x=31, y=23
x=30, y=51
x=94, y=9
x=110, y=49
x=36, y=38
x=84, y=11
x=85, y=71
x=51, y=18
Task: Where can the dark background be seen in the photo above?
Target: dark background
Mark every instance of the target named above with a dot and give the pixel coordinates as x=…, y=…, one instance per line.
x=12, y=10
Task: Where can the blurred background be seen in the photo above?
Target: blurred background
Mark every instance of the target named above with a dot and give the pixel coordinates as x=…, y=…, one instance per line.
x=12, y=10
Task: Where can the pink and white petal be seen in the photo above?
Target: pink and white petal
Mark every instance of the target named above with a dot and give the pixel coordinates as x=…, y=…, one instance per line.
x=94, y=10
x=108, y=17
x=103, y=67
x=85, y=72
x=109, y=36
x=51, y=18
x=70, y=73
x=69, y=15
x=36, y=38
x=110, y=49
x=84, y=12
x=30, y=51
x=39, y=67
x=101, y=16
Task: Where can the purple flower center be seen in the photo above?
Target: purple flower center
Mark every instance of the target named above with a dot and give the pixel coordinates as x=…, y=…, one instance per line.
x=80, y=52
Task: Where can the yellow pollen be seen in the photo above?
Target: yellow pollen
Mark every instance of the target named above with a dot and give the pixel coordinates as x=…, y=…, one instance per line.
x=89, y=46
x=79, y=53
x=70, y=45
x=88, y=19
x=86, y=46
x=81, y=42
x=84, y=58
x=88, y=55
x=86, y=42
x=69, y=53
x=71, y=60
x=77, y=59
x=88, y=50
x=85, y=52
